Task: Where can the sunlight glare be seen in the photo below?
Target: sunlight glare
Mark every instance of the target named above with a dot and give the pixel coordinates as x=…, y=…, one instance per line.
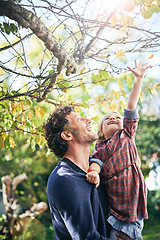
x=111, y=6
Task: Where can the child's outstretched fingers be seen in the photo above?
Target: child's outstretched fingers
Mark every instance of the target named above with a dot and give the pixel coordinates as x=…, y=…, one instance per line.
x=140, y=69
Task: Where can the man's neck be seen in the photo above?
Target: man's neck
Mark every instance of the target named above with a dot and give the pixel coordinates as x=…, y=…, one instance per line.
x=79, y=155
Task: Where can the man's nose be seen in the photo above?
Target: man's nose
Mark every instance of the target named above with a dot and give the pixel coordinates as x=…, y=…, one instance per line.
x=88, y=120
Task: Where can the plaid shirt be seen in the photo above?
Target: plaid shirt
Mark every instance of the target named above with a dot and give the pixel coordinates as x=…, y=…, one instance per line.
x=121, y=175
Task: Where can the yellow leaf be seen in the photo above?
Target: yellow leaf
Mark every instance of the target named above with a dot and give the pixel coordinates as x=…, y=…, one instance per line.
x=38, y=140
x=13, y=109
x=38, y=112
x=34, y=135
x=122, y=104
x=19, y=107
x=116, y=94
x=60, y=75
x=148, y=2
x=129, y=81
x=29, y=140
x=76, y=109
x=141, y=96
x=4, y=136
x=114, y=106
x=130, y=20
x=1, y=143
x=113, y=20
x=82, y=70
x=95, y=118
x=11, y=142
x=154, y=92
x=80, y=83
x=120, y=53
x=123, y=20
x=30, y=116
x=22, y=105
x=155, y=6
x=146, y=12
x=119, y=83
x=118, y=39
x=150, y=85
x=23, y=119
x=149, y=56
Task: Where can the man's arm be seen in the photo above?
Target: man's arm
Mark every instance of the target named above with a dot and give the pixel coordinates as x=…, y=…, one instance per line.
x=123, y=236
x=139, y=73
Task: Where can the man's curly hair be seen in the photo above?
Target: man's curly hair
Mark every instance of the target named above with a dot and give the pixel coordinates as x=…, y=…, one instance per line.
x=53, y=128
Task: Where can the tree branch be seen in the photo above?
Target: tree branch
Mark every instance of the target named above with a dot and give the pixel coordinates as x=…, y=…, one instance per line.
x=14, y=44
x=27, y=19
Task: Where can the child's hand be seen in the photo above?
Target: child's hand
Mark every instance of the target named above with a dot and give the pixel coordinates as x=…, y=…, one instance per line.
x=140, y=69
x=93, y=177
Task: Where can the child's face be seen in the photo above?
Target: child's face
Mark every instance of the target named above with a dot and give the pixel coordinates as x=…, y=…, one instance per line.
x=112, y=122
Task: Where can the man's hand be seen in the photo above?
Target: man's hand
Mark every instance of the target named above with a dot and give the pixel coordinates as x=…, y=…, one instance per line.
x=93, y=177
x=123, y=236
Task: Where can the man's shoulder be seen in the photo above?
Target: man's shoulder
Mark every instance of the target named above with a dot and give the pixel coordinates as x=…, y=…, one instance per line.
x=65, y=183
x=62, y=172
x=63, y=176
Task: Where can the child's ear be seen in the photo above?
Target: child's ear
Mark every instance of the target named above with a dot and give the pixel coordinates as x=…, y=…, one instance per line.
x=66, y=135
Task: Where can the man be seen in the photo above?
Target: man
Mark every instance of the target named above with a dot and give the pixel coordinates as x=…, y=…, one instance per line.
x=75, y=208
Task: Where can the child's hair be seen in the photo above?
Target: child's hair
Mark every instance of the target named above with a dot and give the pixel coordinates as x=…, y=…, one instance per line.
x=100, y=132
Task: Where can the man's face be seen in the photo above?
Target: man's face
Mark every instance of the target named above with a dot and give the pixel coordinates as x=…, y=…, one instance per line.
x=81, y=129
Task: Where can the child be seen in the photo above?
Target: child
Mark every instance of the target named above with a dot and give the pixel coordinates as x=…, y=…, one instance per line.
x=121, y=175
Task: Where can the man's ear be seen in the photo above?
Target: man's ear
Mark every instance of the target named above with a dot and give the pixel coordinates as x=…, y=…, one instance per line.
x=66, y=135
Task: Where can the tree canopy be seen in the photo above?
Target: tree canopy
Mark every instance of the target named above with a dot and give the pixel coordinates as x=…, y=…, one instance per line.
x=71, y=52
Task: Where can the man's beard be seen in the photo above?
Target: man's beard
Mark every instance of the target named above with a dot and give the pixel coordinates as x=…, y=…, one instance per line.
x=86, y=140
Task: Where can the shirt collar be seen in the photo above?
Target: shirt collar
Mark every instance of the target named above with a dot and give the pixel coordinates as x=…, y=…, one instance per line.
x=72, y=165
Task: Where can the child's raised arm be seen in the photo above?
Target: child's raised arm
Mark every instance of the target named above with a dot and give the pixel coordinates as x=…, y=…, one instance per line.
x=139, y=72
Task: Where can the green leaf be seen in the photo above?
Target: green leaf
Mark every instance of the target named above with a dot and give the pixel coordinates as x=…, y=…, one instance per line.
x=104, y=74
x=120, y=84
x=93, y=78
x=63, y=85
x=6, y=28
x=129, y=81
x=96, y=79
x=146, y=12
x=85, y=97
x=155, y=6
x=84, y=103
x=13, y=27
x=51, y=71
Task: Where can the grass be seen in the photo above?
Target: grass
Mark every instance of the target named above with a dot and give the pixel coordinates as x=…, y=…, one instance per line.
x=151, y=230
